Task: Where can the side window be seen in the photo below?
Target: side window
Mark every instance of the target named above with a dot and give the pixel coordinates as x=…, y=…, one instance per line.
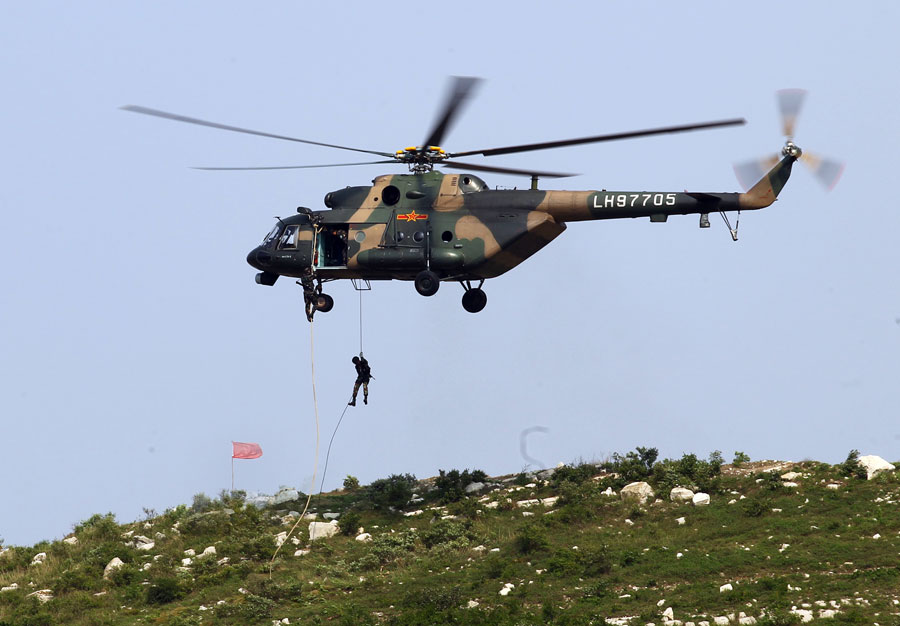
x=288, y=238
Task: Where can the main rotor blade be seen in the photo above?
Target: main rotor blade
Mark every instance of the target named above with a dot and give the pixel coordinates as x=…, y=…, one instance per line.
x=291, y=167
x=790, y=101
x=597, y=138
x=193, y=120
x=827, y=171
x=504, y=170
x=460, y=90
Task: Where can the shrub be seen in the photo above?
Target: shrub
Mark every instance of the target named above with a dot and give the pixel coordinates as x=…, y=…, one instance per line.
x=450, y=486
x=388, y=548
x=851, y=466
x=163, y=591
x=202, y=503
x=99, y=527
x=740, y=458
x=634, y=466
x=351, y=483
x=349, y=523
x=754, y=507
x=392, y=492
x=445, y=532
x=530, y=538
x=689, y=470
x=575, y=474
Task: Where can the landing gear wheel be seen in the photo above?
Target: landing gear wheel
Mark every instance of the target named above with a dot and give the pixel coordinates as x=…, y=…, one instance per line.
x=474, y=300
x=427, y=283
x=324, y=303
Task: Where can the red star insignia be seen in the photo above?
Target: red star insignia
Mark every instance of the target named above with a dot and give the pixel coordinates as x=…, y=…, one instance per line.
x=412, y=216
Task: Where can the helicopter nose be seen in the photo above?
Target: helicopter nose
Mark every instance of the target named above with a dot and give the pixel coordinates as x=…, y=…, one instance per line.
x=259, y=258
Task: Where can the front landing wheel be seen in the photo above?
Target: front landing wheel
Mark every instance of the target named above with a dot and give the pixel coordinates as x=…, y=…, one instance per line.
x=324, y=303
x=427, y=283
x=474, y=300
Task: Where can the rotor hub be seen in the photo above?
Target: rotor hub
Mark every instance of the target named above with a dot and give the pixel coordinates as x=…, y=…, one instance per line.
x=791, y=149
x=421, y=159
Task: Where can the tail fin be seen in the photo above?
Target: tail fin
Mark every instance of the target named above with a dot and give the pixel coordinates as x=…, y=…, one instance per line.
x=763, y=193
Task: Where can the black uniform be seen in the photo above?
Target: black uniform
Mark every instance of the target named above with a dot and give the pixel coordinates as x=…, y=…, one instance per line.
x=363, y=376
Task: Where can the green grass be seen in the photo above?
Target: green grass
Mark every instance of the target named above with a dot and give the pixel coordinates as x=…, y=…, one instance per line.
x=424, y=570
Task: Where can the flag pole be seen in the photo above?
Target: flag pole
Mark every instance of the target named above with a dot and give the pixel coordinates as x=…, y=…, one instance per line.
x=232, y=474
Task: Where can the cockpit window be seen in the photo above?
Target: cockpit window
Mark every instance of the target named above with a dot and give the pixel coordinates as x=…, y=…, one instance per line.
x=289, y=237
x=272, y=235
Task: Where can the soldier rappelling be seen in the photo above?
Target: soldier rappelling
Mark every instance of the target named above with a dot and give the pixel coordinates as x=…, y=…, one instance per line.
x=363, y=376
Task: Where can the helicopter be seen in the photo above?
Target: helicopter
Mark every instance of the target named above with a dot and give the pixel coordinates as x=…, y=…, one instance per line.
x=431, y=227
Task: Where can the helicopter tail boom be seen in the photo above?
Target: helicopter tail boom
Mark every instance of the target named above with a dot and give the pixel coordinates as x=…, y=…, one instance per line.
x=764, y=192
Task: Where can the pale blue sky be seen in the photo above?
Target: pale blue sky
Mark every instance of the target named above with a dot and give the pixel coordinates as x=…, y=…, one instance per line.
x=135, y=344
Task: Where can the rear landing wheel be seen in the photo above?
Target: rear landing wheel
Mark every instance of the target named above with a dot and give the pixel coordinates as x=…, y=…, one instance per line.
x=474, y=300
x=324, y=302
x=427, y=283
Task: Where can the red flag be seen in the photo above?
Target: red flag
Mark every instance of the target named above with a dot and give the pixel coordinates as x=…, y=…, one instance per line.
x=246, y=450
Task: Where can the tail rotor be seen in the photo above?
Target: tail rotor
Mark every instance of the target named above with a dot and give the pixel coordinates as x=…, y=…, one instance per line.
x=827, y=171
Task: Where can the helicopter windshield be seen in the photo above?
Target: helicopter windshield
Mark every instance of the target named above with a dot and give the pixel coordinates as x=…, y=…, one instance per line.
x=272, y=235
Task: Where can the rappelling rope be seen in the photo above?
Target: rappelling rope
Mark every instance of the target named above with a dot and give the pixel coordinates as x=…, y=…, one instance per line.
x=328, y=454
x=312, y=357
x=360, y=323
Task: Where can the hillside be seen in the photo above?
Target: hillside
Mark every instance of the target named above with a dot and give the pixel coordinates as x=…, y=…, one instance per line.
x=774, y=543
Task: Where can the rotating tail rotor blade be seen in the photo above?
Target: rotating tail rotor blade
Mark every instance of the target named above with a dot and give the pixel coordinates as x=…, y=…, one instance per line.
x=290, y=167
x=827, y=171
x=790, y=102
x=751, y=172
x=460, y=90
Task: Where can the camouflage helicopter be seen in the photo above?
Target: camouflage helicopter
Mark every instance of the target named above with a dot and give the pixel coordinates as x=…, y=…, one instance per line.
x=430, y=227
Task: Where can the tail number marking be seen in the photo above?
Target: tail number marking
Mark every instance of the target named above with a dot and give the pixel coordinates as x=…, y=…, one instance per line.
x=622, y=200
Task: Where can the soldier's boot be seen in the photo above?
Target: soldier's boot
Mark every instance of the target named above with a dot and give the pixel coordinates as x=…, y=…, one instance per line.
x=366, y=399
x=352, y=402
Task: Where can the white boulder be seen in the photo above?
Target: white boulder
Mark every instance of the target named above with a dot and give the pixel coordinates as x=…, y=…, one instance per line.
x=322, y=530
x=143, y=543
x=112, y=566
x=700, y=499
x=681, y=494
x=364, y=537
x=11, y=587
x=641, y=491
x=288, y=494
x=875, y=465
x=210, y=551
x=39, y=558
x=43, y=595
x=474, y=487
x=681, y=521
x=790, y=476
x=71, y=540
x=726, y=587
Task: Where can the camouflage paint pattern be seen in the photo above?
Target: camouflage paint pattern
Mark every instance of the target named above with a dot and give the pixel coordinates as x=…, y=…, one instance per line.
x=462, y=230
